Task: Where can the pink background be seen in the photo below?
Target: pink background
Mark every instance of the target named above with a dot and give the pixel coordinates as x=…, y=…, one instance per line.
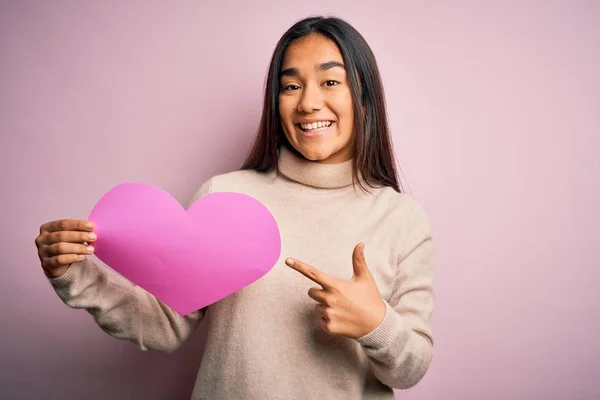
x=495, y=110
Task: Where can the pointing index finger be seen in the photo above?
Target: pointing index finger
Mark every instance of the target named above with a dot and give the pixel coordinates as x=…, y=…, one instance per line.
x=311, y=273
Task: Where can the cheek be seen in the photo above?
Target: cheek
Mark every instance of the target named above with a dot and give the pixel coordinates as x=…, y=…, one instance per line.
x=285, y=110
x=342, y=104
x=345, y=113
x=281, y=110
x=285, y=115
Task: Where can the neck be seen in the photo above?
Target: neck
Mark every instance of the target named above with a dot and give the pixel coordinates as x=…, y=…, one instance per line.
x=315, y=174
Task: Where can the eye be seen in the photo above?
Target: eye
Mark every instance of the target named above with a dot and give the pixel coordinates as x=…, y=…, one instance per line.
x=287, y=88
x=331, y=83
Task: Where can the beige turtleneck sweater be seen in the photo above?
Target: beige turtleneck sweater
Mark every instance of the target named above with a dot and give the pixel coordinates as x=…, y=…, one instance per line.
x=264, y=341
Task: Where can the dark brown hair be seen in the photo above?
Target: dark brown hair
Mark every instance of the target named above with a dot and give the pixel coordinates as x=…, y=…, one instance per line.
x=372, y=145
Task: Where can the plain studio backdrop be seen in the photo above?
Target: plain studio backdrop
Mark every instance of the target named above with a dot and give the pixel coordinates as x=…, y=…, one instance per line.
x=495, y=112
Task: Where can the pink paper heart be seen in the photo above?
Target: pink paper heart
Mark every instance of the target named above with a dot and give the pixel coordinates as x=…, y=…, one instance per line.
x=188, y=260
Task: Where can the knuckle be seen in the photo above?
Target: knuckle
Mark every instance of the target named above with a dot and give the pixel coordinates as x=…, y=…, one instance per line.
x=47, y=226
x=51, y=262
x=48, y=250
x=61, y=248
x=43, y=238
x=62, y=259
x=56, y=262
x=331, y=300
x=329, y=326
x=60, y=225
x=59, y=236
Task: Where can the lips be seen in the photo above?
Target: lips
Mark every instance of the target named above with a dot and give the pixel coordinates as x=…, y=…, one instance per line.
x=314, y=132
x=312, y=126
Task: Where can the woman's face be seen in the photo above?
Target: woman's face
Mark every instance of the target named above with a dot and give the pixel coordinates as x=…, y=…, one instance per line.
x=315, y=102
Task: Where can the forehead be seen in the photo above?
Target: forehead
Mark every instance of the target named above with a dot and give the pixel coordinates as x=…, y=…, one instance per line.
x=309, y=51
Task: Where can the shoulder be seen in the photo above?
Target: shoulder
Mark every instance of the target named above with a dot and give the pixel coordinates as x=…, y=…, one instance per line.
x=243, y=181
x=407, y=213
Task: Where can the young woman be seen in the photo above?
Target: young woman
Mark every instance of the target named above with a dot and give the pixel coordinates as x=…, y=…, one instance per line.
x=349, y=318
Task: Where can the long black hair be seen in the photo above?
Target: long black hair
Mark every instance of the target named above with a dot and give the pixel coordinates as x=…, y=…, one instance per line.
x=373, y=154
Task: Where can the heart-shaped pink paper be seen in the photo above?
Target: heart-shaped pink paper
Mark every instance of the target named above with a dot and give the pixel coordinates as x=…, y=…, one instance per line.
x=188, y=260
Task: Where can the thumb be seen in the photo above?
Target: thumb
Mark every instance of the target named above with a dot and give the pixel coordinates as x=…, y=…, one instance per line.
x=359, y=263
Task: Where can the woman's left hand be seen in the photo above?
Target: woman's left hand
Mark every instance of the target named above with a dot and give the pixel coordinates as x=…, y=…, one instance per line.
x=349, y=307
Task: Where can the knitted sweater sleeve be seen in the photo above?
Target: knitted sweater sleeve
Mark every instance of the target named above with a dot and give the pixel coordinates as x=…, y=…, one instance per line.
x=400, y=349
x=124, y=310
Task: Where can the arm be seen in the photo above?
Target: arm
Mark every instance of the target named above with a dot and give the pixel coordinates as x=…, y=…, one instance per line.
x=401, y=348
x=124, y=310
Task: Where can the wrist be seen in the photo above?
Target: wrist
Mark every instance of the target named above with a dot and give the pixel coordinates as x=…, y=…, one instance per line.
x=57, y=272
x=375, y=318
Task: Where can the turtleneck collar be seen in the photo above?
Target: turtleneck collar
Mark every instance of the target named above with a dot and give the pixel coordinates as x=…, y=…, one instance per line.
x=327, y=176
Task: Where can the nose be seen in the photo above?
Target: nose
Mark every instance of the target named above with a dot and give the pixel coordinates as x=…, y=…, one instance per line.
x=311, y=99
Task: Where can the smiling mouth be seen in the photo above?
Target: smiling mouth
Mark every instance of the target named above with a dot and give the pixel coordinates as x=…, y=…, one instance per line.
x=315, y=127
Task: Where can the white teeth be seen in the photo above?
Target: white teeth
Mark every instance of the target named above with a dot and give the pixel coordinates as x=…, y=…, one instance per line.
x=315, y=125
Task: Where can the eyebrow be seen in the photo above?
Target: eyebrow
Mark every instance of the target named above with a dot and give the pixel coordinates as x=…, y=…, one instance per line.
x=321, y=67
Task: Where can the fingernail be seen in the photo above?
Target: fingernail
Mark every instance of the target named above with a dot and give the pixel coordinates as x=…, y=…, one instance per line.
x=89, y=226
x=80, y=258
x=289, y=262
x=92, y=236
x=90, y=249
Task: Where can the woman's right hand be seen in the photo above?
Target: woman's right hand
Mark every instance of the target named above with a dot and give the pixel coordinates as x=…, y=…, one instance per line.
x=62, y=243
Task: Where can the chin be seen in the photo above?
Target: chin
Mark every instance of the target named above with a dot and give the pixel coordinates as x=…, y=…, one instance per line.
x=315, y=154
